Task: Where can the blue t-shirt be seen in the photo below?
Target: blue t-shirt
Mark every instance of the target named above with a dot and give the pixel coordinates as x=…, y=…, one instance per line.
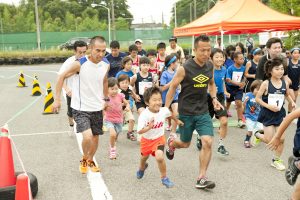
x=228, y=63
x=252, y=108
x=219, y=76
x=235, y=74
x=130, y=73
x=115, y=63
x=166, y=78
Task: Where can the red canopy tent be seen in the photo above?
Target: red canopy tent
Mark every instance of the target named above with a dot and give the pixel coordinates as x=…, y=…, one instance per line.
x=239, y=17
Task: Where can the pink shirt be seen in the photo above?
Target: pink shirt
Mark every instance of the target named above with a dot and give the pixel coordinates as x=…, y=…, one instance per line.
x=114, y=113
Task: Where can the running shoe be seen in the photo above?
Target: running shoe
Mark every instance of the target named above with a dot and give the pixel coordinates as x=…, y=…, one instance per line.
x=83, y=166
x=247, y=144
x=292, y=171
x=278, y=164
x=113, y=153
x=130, y=136
x=241, y=124
x=203, y=183
x=199, y=143
x=93, y=166
x=166, y=182
x=222, y=151
x=140, y=173
x=168, y=128
x=254, y=140
x=170, y=150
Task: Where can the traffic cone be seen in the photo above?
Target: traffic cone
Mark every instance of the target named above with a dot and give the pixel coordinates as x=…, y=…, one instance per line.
x=48, y=100
x=23, y=191
x=7, y=170
x=36, y=90
x=21, y=82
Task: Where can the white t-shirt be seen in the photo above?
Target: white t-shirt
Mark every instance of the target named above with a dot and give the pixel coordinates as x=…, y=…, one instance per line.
x=66, y=65
x=159, y=121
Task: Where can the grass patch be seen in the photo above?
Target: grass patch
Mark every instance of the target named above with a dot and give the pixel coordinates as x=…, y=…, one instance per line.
x=32, y=54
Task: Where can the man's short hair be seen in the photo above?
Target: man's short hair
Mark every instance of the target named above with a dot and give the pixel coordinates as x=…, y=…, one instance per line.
x=144, y=60
x=173, y=38
x=97, y=38
x=132, y=47
x=79, y=43
x=202, y=38
x=114, y=44
x=272, y=41
x=161, y=45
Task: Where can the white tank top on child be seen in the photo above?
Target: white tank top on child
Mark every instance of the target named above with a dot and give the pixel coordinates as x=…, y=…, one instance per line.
x=88, y=88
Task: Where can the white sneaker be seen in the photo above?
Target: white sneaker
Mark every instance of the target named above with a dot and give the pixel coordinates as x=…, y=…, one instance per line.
x=241, y=124
x=278, y=164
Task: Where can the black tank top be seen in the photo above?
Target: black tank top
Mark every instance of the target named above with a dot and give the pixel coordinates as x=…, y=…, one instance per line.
x=294, y=71
x=193, y=96
x=140, y=79
x=252, y=70
x=274, y=90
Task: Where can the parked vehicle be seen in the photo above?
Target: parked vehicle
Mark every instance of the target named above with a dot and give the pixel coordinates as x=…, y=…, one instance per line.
x=70, y=43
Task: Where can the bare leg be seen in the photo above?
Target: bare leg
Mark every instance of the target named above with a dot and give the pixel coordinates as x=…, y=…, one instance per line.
x=296, y=193
x=86, y=142
x=223, y=127
x=94, y=146
x=113, y=137
x=159, y=156
x=239, y=109
x=143, y=162
x=205, y=154
x=130, y=125
x=174, y=107
x=295, y=95
x=71, y=121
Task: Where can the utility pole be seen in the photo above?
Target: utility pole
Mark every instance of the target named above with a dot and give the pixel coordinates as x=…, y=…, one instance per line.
x=191, y=14
x=195, y=9
x=37, y=21
x=175, y=13
x=113, y=19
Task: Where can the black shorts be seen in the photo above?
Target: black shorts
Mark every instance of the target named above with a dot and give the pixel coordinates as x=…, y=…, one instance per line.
x=88, y=120
x=295, y=86
x=140, y=104
x=235, y=94
x=212, y=111
x=69, y=112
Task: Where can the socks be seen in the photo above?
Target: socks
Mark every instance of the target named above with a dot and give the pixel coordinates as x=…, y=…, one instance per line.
x=71, y=125
x=221, y=142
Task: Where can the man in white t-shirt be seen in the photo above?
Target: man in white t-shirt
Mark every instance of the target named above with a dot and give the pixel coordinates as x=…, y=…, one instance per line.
x=89, y=94
x=80, y=48
x=175, y=48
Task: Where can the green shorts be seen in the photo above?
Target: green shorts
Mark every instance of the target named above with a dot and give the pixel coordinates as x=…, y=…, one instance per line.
x=201, y=123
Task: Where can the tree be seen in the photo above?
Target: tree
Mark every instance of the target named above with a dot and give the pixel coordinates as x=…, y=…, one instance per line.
x=122, y=24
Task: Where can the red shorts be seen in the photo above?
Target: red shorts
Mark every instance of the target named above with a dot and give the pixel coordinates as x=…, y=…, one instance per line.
x=148, y=147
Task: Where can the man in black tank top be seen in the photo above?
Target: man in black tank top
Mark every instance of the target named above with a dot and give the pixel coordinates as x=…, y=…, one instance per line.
x=195, y=77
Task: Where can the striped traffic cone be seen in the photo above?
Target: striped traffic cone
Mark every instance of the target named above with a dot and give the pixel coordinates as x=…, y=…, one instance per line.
x=48, y=100
x=36, y=90
x=21, y=82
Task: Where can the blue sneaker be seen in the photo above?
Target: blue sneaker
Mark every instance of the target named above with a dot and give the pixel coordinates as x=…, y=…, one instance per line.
x=166, y=182
x=140, y=173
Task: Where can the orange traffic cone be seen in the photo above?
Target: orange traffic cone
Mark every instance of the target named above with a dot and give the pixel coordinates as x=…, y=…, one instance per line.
x=21, y=82
x=7, y=170
x=23, y=191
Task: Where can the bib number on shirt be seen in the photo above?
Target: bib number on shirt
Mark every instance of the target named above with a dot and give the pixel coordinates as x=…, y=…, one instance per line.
x=237, y=76
x=276, y=100
x=143, y=86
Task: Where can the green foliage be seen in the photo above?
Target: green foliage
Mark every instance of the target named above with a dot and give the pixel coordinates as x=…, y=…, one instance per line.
x=63, y=15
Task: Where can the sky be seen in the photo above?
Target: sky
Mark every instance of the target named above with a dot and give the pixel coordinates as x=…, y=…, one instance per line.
x=142, y=10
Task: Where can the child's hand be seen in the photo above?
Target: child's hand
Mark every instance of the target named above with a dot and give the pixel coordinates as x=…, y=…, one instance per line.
x=227, y=95
x=242, y=85
x=138, y=98
x=294, y=105
x=127, y=109
x=274, y=143
x=274, y=108
x=106, y=106
x=179, y=122
x=151, y=123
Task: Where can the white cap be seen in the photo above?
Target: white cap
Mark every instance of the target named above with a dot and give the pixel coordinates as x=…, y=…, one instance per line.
x=138, y=40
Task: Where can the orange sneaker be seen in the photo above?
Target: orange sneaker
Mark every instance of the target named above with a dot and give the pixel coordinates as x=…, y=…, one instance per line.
x=83, y=166
x=93, y=166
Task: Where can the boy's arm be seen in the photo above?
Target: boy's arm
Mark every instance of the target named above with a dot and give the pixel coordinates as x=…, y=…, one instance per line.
x=146, y=128
x=132, y=80
x=245, y=103
x=126, y=103
x=274, y=143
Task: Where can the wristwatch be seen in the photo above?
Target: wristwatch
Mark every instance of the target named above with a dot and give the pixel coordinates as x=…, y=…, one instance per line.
x=106, y=99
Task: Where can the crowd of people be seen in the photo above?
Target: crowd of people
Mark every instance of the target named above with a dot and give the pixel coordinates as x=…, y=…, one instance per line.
x=164, y=86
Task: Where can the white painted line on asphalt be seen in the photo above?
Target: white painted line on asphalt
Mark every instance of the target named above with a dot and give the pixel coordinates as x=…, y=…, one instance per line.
x=10, y=77
x=44, y=133
x=98, y=188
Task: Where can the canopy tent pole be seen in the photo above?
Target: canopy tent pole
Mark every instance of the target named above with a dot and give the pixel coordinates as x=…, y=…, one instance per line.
x=222, y=39
x=193, y=38
x=230, y=39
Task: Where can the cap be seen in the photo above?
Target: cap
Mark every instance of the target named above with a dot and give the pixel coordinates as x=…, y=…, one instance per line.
x=138, y=40
x=173, y=38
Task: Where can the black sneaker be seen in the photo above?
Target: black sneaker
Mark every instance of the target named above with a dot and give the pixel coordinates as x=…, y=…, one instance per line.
x=169, y=155
x=203, y=183
x=199, y=143
x=222, y=151
x=292, y=172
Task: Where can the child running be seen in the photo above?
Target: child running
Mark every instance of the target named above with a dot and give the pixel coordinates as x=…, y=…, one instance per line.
x=126, y=67
x=151, y=125
x=217, y=57
x=271, y=97
x=294, y=74
x=165, y=81
x=293, y=170
x=133, y=54
x=123, y=83
x=161, y=56
x=113, y=117
x=235, y=84
x=251, y=111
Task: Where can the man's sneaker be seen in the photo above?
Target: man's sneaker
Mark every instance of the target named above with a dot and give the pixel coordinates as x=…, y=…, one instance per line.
x=241, y=124
x=247, y=144
x=278, y=164
x=170, y=150
x=140, y=173
x=113, y=153
x=83, y=166
x=166, y=182
x=223, y=151
x=199, y=143
x=254, y=140
x=203, y=183
x=292, y=172
x=93, y=166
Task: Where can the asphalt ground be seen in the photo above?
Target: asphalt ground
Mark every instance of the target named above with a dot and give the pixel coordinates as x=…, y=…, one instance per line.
x=48, y=152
